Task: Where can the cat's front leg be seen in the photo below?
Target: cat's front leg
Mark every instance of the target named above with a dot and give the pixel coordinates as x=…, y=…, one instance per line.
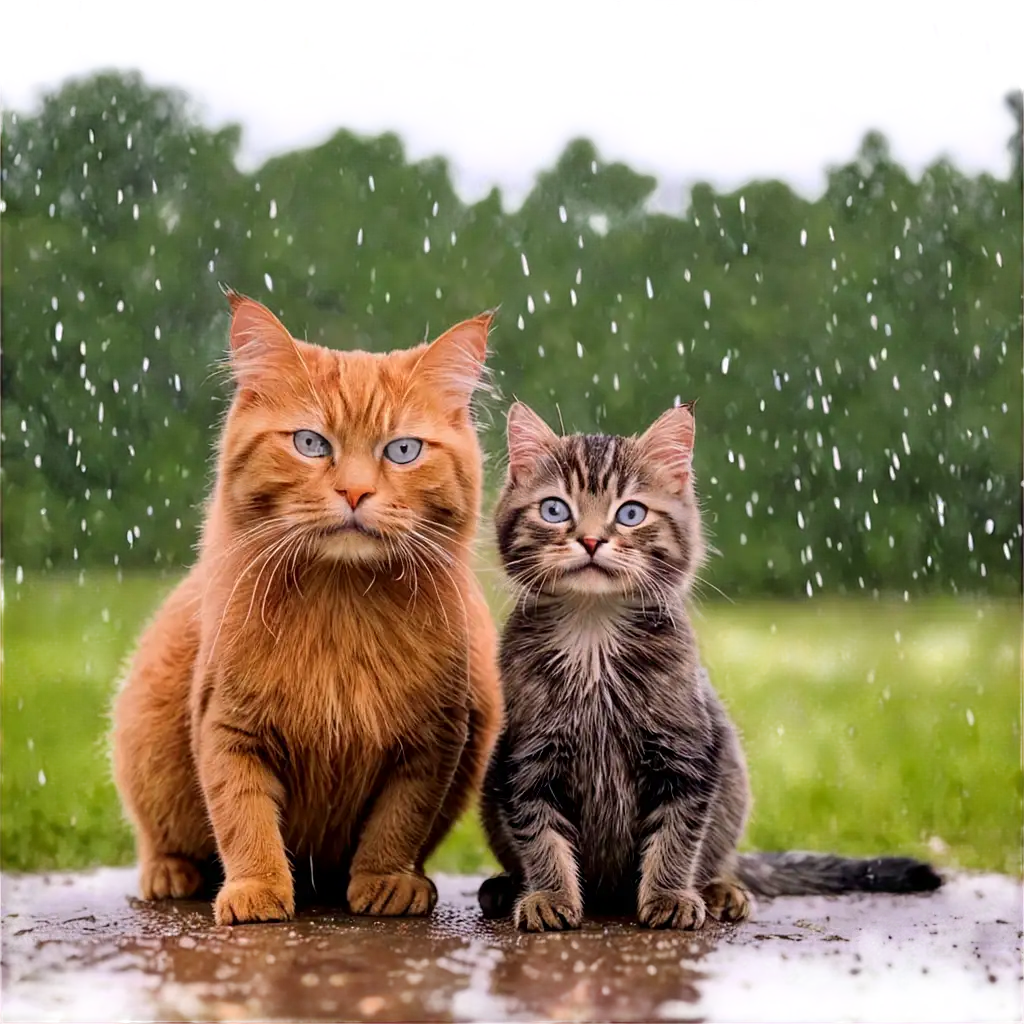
x=384, y=879
x=677, y=802
x=244, y=800
x=545, y=843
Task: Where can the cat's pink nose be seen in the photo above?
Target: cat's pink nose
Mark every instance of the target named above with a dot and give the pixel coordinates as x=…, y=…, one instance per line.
x=354, y=495
x=591, y=544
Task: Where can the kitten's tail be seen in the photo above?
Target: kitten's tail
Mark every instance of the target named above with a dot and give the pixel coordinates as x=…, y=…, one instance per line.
x=806, y=874
x=497, y=896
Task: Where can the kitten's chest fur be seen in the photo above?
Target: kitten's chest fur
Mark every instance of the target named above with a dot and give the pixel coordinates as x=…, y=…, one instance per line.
x=588, y=687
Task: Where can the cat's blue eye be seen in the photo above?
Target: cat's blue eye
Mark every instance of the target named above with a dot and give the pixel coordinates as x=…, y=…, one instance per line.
x=631, y=513
x=554, y=510
x=311, y=444
x=403, y=450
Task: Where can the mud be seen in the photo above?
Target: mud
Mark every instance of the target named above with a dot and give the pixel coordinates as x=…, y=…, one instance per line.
x=80, y=947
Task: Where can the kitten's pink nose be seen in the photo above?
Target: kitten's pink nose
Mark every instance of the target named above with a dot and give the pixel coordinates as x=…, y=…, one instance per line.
x=591, y=544
x=354, y=495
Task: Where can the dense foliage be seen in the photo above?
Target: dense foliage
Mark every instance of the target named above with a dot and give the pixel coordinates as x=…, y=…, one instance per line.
x=857, y=358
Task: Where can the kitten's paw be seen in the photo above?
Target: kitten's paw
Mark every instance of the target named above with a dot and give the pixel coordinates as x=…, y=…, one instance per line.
x=727, y=902
x=246, y=900
x=547, y=911
x=402, y=893
x=683, y=910
x=162, y=878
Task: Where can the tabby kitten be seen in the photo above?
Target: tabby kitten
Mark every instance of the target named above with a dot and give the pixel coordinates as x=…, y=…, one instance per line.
x=618, y=782
x=319, y=695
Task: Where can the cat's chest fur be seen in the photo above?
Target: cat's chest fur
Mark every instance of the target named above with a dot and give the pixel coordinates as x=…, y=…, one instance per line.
x=337, y=668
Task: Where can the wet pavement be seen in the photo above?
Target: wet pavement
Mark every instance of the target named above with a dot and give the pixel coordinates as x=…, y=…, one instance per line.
x=80, y=947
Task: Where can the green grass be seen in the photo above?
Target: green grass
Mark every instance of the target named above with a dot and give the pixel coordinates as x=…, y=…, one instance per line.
x=870, y=727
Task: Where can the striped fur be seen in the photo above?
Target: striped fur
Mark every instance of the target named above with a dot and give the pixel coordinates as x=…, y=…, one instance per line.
x=618, y=783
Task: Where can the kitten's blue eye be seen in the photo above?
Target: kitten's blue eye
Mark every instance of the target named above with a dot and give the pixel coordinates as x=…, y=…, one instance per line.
x=311, y=444
x=632, y=513
x=554, y=510
x=403, y=450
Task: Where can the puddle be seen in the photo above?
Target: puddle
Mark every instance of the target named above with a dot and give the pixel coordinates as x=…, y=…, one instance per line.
x=79, y=947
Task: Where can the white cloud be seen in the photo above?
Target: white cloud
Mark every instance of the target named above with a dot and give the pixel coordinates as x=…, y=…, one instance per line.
x=723, y=90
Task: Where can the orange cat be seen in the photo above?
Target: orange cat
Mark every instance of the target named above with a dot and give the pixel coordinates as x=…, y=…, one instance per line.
x=320, y=692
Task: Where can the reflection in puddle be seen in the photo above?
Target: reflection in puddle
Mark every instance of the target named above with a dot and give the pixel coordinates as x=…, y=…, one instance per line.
x=76, y=947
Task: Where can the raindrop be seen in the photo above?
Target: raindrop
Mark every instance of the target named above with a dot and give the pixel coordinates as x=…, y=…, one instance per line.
x=269, y=281
x=989, y=526
x=803, y=238
x=273, y=209
x=58, y=331
x=707, y=299
x=867, y=520
x=526, y=266
x=970, y=717
x=948, y=399
x=562, y=215
x=650, y=289
x=579, y=349
x=373, y=186
x=615, y=382
x=426, y=245
x=42, y=777
x=19, y=575
x=835, y=457
x=725, y=360
x=800, y=519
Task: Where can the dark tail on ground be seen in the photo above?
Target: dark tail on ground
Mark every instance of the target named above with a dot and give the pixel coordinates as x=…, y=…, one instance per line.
x=808, y=874
x=777, y=874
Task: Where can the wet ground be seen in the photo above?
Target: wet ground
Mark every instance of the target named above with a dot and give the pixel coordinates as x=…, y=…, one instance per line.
x=80, y=947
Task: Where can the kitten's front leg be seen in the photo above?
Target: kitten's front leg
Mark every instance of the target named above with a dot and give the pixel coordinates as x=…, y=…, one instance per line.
x=678, y=796
x=545, y=843
x=244, y=799
x=384, y=879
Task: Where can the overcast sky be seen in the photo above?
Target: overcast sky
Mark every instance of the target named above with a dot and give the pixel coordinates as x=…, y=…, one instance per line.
x=718, y=90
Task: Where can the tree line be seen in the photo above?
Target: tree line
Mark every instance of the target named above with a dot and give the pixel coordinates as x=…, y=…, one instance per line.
x=856, y=357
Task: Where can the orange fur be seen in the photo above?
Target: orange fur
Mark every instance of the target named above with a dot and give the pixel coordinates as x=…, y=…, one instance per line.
x=317, y=700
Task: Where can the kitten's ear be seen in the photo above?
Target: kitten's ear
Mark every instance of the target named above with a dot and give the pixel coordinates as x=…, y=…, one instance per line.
x=668, y=443
x=455, y=360
x=529, y=440
x=259, y=341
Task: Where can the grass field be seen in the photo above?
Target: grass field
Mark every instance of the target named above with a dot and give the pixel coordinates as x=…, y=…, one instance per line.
x=870, y=727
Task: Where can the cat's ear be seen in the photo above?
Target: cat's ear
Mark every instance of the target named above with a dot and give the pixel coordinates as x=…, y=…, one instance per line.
x=259, y=341
x=252, y=323
x=668, y=443
x=455, y=360
x=529, y=440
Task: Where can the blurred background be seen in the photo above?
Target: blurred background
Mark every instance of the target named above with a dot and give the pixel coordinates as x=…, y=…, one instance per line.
x=813, y=228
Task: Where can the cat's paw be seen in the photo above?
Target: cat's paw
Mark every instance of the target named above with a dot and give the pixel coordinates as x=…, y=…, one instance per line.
x=684, y=910
x=727, y=902
x=246, y=900
x=402, y=893
x=547, y=911
x=162, y=878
